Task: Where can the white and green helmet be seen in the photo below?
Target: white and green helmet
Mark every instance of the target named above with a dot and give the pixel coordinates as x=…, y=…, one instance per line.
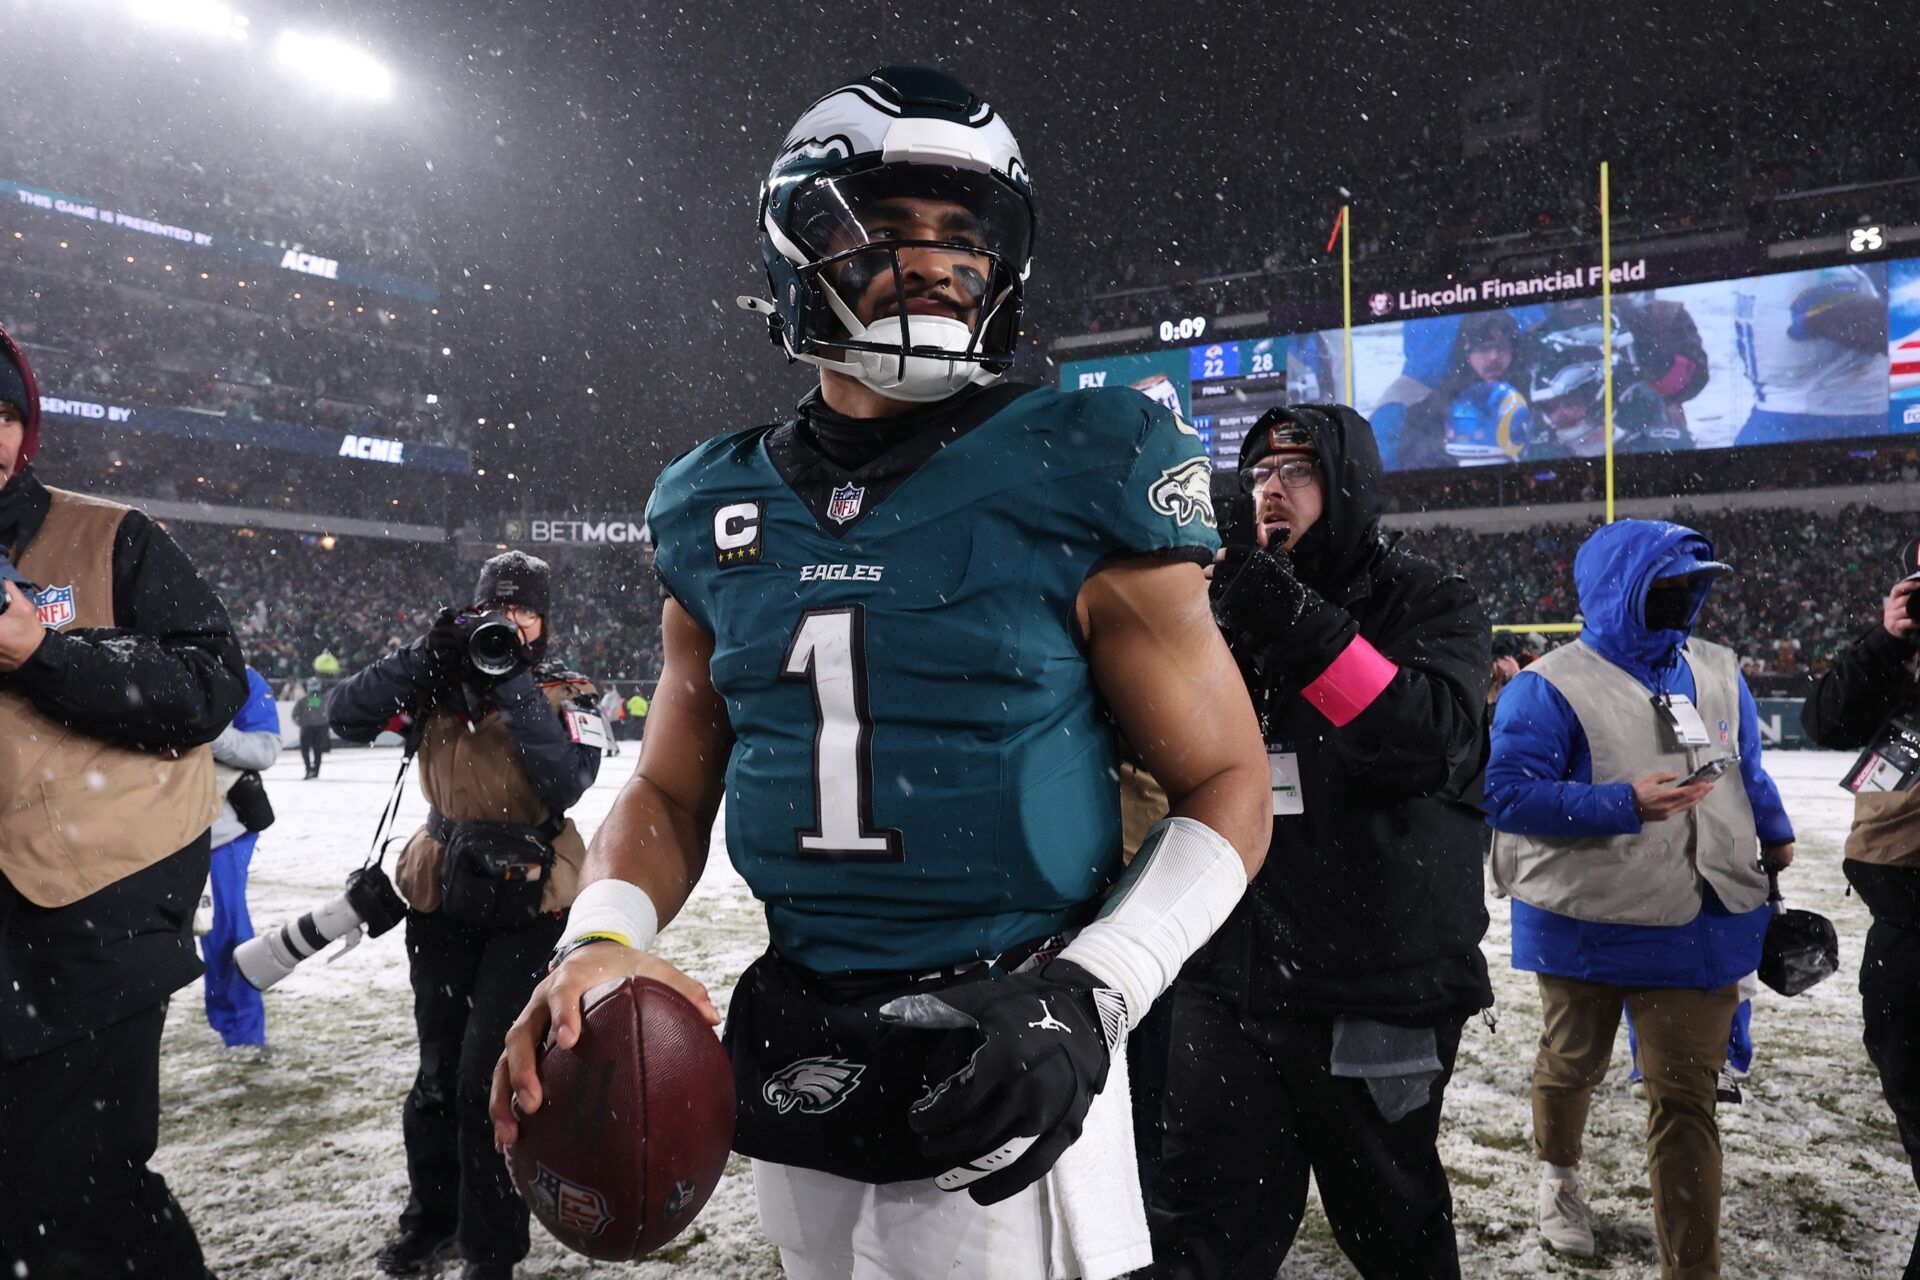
x=895, y=134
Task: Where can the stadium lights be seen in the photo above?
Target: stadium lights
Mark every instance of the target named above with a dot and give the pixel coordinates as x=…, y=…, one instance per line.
x=209, y=17
x=334, y=64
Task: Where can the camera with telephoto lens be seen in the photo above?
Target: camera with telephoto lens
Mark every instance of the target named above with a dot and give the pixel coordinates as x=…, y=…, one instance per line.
x=493, y=643
x=369, y=904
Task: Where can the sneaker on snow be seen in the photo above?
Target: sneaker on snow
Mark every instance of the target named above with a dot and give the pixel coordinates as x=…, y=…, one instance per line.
x=1727, y=1091
x=1565, y=1219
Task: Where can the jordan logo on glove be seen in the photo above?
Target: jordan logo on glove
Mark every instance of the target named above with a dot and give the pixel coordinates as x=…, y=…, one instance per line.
x=1048, y=1022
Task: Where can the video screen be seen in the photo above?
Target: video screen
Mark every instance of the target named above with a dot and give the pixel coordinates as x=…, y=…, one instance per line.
x=1831, y=353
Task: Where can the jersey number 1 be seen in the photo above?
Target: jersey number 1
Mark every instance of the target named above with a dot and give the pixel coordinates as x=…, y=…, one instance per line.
x=829, y=653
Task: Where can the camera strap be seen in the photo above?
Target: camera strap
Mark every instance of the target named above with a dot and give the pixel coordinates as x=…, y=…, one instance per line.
x=377, y=852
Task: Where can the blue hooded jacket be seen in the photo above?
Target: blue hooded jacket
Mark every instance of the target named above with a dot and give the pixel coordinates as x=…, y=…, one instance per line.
x=1540, y=776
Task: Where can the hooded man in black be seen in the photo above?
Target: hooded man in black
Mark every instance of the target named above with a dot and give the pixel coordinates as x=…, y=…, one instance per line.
x=121, y=653
x=1316, y=1032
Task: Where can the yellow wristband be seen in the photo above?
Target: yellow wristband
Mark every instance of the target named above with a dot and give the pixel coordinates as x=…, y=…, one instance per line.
x=584, y=940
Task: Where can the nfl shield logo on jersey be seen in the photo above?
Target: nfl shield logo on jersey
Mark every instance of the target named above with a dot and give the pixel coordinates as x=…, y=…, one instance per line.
x=844, y=505
x=55, y=607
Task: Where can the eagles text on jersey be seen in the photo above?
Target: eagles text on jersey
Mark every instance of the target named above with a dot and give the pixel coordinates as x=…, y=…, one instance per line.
x=922, y=774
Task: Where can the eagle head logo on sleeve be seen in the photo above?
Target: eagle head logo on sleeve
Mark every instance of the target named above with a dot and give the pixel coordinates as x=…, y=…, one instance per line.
x=1184, y=492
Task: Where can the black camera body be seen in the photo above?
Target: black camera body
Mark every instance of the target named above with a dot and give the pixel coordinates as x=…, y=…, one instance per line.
x=375, y=900
x=369, y=904
x=13, y=575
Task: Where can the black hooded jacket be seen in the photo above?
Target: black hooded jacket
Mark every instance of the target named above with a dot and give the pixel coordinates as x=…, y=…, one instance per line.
x=167, y=675
x=1370, y=902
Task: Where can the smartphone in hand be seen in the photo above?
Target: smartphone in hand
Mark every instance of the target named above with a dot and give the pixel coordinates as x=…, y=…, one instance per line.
x=1709, y=771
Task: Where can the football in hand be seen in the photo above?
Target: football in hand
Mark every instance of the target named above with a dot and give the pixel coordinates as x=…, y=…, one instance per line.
x=635, y=1127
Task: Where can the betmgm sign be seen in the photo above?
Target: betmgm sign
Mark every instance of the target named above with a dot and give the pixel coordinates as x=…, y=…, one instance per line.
x=585, y=531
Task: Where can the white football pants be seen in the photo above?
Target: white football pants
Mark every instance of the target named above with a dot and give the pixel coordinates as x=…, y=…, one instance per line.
x=832, y=1228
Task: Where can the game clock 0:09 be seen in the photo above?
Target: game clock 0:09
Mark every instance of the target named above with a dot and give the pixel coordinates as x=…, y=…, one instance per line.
x=1189, y=329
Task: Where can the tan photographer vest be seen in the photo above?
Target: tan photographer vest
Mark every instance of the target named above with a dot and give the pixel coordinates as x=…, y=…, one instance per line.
x=474, y=775
x=77, y=812
x=1886, y=828
x=1654, y=877
x=1886, y=824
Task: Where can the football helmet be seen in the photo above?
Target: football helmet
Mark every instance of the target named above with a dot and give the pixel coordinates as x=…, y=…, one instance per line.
x=901, y=178
x=1570, y=365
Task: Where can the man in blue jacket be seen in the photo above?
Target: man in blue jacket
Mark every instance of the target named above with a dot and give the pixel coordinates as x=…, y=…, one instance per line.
x=244, y=750
x=1634, y=878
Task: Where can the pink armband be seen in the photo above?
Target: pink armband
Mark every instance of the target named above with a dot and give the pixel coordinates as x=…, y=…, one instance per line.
x=1350, y=684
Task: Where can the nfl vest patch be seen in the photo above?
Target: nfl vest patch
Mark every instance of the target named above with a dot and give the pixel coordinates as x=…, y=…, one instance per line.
x=55, y=606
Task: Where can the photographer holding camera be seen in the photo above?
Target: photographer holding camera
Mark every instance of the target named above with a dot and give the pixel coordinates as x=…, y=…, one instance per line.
x=118, y=666
x=1870, y=699
x=506, y=745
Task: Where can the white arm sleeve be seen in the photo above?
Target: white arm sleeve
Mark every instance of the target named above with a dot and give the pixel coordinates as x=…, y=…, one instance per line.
x=1178, y=890
x=613, y=909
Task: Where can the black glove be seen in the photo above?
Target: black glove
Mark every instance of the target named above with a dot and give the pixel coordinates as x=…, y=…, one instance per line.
x=1024, y=1057
x=1255, y=591
x=446, y=641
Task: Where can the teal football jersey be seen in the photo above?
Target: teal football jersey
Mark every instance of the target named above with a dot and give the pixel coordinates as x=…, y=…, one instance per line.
x=922, y=774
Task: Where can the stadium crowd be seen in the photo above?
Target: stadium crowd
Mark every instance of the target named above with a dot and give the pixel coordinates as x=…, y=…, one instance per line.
x=292, y=598
x=329, y=209
x=300, y=362
x=1804, y=578
x=1654, y=475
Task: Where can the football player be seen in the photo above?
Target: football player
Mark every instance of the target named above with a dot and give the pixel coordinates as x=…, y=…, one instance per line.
x=906, y=632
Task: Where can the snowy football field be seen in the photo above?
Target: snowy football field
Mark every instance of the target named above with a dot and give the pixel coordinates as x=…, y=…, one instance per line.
x=293, y=1167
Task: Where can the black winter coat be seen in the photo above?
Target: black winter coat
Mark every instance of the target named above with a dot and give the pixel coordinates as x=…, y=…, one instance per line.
x=170, y=675
x=1370, y=902
x=1869, y=683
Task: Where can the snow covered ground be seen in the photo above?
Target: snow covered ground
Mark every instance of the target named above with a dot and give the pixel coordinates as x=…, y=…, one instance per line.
x=293, y=1168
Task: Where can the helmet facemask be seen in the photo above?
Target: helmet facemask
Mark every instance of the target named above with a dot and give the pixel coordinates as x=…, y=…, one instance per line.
x=1570, y=369
x=933, y=254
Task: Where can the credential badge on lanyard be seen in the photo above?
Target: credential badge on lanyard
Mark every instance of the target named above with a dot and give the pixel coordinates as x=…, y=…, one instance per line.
x=1677, y=712
x=1283, y=775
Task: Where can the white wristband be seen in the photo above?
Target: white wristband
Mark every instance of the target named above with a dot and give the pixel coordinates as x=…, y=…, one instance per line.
x=613, y=909
x=1178, y=890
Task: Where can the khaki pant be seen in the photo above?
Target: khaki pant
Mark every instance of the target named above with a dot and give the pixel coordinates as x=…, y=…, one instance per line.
x=1683, y=1041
